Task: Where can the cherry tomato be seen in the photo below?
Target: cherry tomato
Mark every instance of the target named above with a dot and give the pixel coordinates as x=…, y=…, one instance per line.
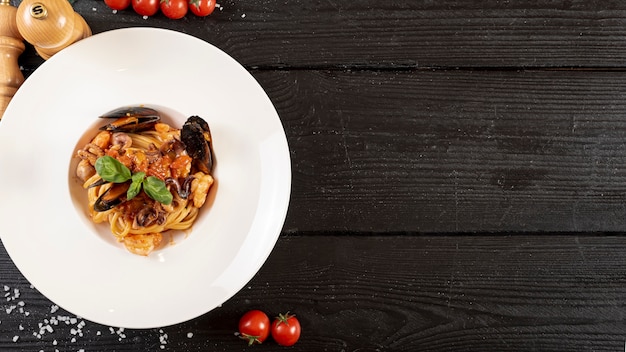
x=202, y=7
x=146, y=7
x=254, y=326
x=117, y=4
x=174, y=9
x=286, y=329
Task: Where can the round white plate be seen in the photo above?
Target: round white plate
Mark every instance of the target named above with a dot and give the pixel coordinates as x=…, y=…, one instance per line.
x=43, y=222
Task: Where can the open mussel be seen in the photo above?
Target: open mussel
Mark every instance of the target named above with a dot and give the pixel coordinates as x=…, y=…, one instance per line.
x=131, y=119
x=196, y=136
x=112, y=197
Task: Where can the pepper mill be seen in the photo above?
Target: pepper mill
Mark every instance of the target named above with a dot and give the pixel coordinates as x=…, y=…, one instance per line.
x=50, y=25
x=11, y=46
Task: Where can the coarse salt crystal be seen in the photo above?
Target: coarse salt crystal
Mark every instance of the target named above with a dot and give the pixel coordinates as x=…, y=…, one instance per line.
x=15, y=338
x=243, y=15
x=114, y=11
x=189, y=334
x=6, y=288
x=21, y=327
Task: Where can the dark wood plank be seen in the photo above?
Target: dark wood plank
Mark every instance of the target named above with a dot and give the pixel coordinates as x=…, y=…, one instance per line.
x=379, y=293
x=453, y=151
x=405, y=34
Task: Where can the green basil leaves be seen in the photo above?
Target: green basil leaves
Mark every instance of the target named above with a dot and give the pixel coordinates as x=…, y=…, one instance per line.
x=155, y=188
x=112, y=170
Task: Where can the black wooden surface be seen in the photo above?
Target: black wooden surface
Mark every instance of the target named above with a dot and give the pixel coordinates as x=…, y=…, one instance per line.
x=458, y=179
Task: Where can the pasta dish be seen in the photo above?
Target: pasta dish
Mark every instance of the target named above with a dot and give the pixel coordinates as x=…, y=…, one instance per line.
x=144, y=177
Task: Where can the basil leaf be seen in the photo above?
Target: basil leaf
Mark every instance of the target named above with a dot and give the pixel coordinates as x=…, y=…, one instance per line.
x=112, y=170
x=156, y=189
x=135, y=186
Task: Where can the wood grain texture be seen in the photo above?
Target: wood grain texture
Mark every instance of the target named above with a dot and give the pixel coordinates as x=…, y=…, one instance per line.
x=453, y=151
x=404, y=34
x=403, y=293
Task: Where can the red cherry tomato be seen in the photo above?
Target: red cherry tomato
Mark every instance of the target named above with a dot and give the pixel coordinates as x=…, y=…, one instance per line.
x=285, y=329
x=146, y=7
x=254, y=326
x=202, y=7
x=117, y=4
x=174, y=9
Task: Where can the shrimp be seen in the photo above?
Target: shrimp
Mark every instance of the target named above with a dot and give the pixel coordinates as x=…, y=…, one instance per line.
x=142, y=244
x=200, y=188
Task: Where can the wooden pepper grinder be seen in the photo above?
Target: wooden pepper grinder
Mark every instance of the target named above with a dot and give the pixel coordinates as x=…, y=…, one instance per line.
x=50, y=25
x=11, y=46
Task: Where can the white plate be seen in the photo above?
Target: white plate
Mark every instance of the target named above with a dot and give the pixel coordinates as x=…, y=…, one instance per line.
x=76, y=264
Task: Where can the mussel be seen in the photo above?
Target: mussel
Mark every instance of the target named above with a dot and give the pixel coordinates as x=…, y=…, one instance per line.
x=111, y=197
x=196, y=136
x=131, y=119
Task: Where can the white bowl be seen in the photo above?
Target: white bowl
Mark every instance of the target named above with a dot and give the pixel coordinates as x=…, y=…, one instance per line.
x=43, y=221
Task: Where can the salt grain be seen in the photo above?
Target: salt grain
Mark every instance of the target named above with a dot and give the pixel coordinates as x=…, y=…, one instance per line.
x=114, y=11
x=243, y=15
x=15, y=338
x=189, y=335
x=6, y=288
x=54, y=308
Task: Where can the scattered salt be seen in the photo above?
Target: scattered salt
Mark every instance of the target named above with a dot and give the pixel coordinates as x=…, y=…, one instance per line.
x=15, y=338
x=243, y=15
x=189, y=334
x=6, y=288
x=54, y=308
x=162, y=338
x=145, y=17
x=114, y=11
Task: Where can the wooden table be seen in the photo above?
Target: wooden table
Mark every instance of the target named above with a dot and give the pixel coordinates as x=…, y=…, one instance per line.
x=459, y=179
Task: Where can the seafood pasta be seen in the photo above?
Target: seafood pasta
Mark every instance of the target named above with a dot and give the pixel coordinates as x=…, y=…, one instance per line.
x=145, y=177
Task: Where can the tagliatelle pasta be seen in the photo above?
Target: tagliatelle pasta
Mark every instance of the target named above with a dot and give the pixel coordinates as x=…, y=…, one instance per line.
x=144, y=177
